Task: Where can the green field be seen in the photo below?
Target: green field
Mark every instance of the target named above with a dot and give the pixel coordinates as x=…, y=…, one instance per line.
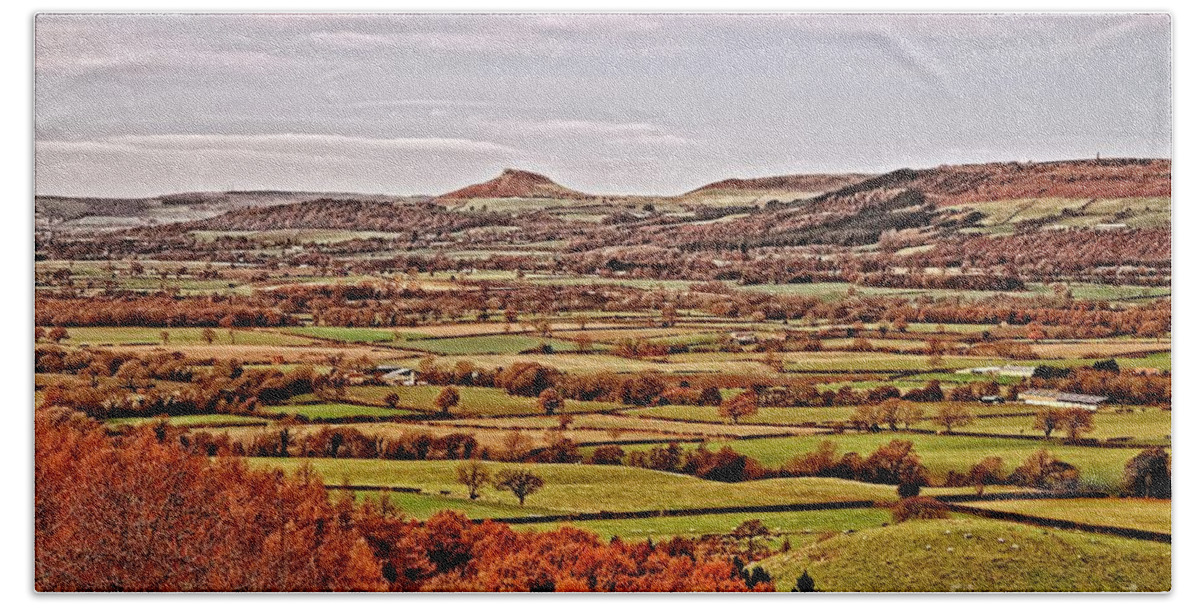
x=506, y=344
x=938, y=555
x=941, y=453
x=195, y=420
x=178, y=336
x=799, y=527
x=473, y=400
x=334, y=411
x=1139, y=513
x=765, y=415
x=584, y=488
x=1150, y=425
x=348, y=334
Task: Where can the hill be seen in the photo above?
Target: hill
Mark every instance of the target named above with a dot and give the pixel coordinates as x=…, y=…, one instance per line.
x=975, y=555
x=816, y=182
x=60, y=213
x=515, y=183
x=1071, y=179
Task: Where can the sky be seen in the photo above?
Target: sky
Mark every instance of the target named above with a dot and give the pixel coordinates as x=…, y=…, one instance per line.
x=139, y=105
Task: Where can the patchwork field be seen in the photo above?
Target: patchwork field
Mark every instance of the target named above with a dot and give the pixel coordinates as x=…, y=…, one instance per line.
x=976, y=555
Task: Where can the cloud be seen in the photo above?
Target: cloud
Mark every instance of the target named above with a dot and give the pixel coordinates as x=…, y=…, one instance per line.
x=284, y=144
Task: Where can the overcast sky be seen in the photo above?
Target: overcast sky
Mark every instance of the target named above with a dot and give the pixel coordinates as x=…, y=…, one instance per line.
x=137, y=105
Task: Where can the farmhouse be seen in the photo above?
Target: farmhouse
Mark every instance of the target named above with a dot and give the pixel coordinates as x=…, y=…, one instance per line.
x=1051, y=398
x=398, y=376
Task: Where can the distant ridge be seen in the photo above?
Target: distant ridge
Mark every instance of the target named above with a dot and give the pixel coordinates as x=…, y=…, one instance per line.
x=515, y=183
x=814, y=182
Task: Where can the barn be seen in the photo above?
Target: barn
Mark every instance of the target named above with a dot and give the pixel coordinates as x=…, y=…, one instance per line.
x=1049, y=398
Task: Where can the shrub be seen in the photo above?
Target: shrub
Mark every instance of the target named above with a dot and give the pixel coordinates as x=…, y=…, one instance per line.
x=918, y=507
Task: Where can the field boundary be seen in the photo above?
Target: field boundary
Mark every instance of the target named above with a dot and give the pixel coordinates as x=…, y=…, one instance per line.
x=1064, y=524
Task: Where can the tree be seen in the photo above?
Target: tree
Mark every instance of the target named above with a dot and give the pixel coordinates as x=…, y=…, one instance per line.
x=1148, y=475
x=520, y=482
x=446, y=399
x=209, y=335
x=750, y=531
x=550, y=401
x=515, y=444
x=133, y=373
x=1076, y=421
x=953, y=415
x=988, y=471
x=710, y=396
x=865, y=418
x=58, y=334
x=165, y=337
x=804, y=583
x=910, y=413
x=1047, y=420
x=745, y=404
x=391, y=400
x=475, y=476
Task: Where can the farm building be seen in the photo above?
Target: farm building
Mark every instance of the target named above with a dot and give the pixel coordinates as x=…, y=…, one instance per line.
x=1023, y=371
x=399, y=376
x=1050, y=398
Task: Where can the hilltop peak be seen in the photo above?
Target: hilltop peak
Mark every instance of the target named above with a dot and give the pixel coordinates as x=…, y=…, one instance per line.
x=515, y=183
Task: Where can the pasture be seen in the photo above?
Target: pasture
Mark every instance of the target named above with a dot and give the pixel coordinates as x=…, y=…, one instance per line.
x=965, y=554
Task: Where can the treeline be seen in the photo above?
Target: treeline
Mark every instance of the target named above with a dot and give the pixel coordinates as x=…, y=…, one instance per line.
x=119, y=385
x=139, y=513
x=156, y=311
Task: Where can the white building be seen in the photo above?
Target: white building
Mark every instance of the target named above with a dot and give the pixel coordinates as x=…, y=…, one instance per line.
x=1049, y=398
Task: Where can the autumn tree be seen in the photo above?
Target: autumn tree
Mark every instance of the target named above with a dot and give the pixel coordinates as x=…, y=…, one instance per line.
x=952, y=416
x=208, y=335
x=1047, y=420
x=910, y=413
x=521, y=482
x=750, y=531
x=986, y=472
x=475, y=476
x=550, y=401
x=1148, y=475
x=710, y=396
x=133, y=373
x=58, y=334
x=446, y=399
x=745, y=404
x=1076, y=421
x=392, y=400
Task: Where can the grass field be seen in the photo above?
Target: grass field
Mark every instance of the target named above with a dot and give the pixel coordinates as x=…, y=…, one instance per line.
x=765, y=415
x=1140, y=513
x=473, y=400
x=506, y=344
x=197, y=420
x=333, y=411
x=799, y=527
x=938, y=555
x=627, y=427
x=579, y=487
x=941, y=453
x=178, y=336
x=350, y=334
x=1143, y=425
